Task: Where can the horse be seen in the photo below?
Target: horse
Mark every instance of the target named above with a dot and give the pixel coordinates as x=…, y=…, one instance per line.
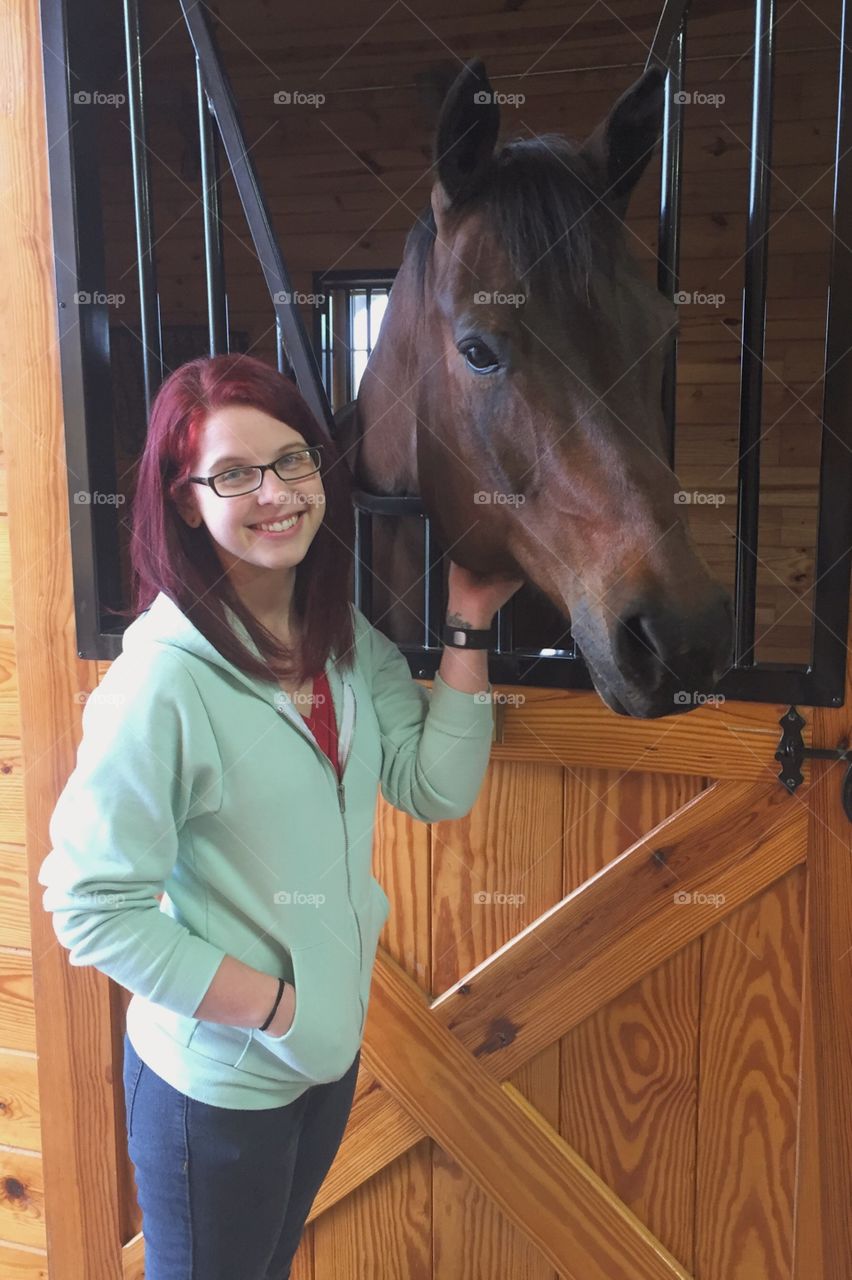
x=516, y=387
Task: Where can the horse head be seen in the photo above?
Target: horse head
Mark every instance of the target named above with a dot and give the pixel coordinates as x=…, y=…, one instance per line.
x=516, y=385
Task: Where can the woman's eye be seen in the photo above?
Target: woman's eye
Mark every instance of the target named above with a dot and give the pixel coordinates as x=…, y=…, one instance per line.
x=479, y=357
x=237, y=473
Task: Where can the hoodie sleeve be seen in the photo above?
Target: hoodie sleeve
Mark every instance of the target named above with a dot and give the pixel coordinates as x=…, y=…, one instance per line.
x=146, y=762
x=435, y=743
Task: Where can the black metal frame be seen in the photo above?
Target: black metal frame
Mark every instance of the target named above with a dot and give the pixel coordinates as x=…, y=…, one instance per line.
x=84, y=347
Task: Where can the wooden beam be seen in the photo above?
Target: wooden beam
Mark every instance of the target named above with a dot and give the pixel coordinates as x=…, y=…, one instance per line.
x=733, y=841
x=823, y=1224
x=77, y=1049
x=533, y=1175
x=735, y=740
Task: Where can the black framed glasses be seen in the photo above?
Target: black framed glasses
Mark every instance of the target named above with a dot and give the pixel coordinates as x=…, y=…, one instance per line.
x=296, y=464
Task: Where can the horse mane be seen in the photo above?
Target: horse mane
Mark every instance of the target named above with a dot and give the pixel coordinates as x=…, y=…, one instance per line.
x=540, y=199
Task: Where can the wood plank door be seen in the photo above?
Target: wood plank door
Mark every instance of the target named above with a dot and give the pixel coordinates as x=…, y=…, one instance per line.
x=587, y=1052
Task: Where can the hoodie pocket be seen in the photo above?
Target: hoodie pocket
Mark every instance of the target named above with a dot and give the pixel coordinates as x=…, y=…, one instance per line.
x=219, y=1041
x=323, y=1038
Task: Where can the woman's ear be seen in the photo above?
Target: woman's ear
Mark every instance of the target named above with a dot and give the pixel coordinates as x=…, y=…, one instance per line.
x=185, y=503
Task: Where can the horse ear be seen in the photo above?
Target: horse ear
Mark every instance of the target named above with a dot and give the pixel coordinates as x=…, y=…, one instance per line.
x=467, y=131
x=622, y=144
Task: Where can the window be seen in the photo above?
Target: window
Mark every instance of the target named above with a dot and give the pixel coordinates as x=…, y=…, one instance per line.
x=351, y=306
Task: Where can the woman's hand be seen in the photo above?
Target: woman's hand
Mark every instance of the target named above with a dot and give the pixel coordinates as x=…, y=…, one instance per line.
x=285, y=1013
x=475, y=597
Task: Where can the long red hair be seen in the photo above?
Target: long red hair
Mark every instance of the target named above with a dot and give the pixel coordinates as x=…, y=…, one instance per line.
x=167, y=555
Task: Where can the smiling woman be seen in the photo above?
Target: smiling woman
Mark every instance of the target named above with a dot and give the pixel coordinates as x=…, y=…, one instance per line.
x=238, y=487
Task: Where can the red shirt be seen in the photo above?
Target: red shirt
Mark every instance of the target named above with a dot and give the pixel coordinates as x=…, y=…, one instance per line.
x=321, y=721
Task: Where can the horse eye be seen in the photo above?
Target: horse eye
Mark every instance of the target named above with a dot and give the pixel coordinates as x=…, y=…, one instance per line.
x=479, y=357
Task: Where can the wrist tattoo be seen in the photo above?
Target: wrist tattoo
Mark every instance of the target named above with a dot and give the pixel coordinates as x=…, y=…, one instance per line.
x=456, y=620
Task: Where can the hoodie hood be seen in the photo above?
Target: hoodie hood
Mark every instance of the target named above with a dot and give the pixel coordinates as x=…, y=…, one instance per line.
x=165, y=623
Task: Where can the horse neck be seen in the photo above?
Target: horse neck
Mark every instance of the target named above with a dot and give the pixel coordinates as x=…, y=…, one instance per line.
x=387, y=396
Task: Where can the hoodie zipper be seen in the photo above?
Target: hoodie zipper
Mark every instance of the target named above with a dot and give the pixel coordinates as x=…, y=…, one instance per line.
x=341, y=804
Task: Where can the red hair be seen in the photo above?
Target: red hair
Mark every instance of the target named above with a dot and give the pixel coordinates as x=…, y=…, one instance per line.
x=167, y=555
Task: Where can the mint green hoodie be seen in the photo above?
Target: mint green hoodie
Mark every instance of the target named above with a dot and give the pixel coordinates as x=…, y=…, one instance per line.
x=199, y=782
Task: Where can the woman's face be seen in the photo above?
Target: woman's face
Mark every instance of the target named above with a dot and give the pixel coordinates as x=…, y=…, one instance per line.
x=242, y=435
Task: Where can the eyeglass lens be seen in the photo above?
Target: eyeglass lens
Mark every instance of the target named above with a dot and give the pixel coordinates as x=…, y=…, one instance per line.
x=293, y=466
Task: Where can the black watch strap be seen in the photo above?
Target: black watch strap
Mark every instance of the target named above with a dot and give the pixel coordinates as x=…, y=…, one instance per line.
x=466, y=637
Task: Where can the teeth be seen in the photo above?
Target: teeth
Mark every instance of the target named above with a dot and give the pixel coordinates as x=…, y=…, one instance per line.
x=279, y=525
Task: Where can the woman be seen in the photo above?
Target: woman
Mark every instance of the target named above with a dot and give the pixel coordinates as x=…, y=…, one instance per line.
x=211, y=849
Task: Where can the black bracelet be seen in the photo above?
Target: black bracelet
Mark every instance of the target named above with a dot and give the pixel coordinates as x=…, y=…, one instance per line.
x=466, y=637
x=281, y=985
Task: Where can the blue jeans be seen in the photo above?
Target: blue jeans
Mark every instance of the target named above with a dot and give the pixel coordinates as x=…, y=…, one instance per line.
x=224, y=1193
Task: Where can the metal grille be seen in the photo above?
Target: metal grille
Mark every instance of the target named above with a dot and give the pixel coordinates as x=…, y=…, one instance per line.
x=86, y=374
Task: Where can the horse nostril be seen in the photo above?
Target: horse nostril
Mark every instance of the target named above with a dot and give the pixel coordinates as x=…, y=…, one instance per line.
x=656, y=645
x=636, y=650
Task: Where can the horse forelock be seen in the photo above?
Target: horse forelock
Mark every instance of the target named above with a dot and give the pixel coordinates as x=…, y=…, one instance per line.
x=540, y=201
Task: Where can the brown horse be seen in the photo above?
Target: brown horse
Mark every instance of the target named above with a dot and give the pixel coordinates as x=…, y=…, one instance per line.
x=516, y=386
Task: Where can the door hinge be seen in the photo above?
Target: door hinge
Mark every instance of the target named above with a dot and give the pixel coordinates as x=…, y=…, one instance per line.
x=792, y=751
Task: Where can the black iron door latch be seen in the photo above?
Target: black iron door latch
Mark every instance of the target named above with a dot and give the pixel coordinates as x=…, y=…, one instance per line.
x=792, y=751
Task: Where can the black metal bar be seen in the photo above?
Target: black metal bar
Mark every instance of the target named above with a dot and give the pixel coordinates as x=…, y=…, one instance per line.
x=214, y=254
x=82, y=322
x=149, y=306
x=388, y=506
x=754, y=334
x=671, y=21
x=668, y=240
x=433, y=588
x=350, y=392
x=834, y=532
x=299, y=351
x=363, y=586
